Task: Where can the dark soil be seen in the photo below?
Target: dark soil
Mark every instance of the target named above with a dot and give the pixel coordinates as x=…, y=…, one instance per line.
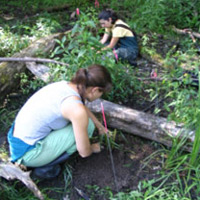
x=90, y=175
x=98, y=170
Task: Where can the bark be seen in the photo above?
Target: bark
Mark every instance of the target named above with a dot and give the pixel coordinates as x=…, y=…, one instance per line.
x=9, y=70
x=40, y=71
x=142, y=124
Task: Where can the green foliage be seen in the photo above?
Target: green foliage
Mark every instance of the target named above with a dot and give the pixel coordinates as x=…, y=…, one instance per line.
x=46, y=3
x=11, y=43
x=15, y=37
x=11, y=192
x=154, y=15
x=179, y=90
x=150, y=15
x=67, y=174
x=178, y=85
x=16, y=190
x=182, y=9
x=96, y=192
x=196, y=145
x=28, y=85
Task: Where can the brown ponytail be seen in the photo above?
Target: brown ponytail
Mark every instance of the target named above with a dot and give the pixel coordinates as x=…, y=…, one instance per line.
x=95, y=76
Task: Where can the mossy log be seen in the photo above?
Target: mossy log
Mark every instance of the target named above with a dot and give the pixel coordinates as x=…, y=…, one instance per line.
x=8, y=70
x=142, y=124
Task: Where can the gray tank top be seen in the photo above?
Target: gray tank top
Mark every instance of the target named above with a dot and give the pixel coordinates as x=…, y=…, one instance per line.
x=42, y=112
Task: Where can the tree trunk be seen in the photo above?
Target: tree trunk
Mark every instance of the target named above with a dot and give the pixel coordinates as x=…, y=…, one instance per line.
x=139, y=123
x=9, y=70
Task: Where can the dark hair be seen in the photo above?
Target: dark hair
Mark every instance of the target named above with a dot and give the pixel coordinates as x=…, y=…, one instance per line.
x=94, y=76
x=108, y=13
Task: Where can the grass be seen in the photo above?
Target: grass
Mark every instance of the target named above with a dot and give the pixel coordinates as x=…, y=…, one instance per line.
x=11, y=191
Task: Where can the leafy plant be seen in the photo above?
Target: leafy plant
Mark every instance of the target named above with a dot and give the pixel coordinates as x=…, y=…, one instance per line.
x=28, y=86
x=11, y=43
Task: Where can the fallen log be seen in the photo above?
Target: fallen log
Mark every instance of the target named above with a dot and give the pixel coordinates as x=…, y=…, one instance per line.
x=142, y=124
x=8, y=70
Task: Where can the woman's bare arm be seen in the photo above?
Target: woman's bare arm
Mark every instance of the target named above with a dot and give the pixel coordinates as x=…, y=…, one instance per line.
x=104, y=38
x=78, y=115
x=112, y=44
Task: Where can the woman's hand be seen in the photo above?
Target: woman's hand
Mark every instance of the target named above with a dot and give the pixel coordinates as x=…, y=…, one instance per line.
x=96, y=148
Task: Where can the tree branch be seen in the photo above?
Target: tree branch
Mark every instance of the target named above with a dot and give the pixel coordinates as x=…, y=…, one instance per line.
x=30, y=59
x=186, y=31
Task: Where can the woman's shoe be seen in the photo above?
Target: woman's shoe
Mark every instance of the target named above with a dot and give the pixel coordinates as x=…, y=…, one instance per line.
x=47, y=172
x=52, y=169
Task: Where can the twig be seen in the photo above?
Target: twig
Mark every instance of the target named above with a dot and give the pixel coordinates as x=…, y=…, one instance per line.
x=29, y=59
x=186, y=31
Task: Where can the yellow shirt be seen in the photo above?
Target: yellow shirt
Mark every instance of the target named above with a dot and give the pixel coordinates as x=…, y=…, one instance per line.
x=119, y=31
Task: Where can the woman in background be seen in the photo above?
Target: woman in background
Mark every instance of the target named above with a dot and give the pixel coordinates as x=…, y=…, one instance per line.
x=123, y=40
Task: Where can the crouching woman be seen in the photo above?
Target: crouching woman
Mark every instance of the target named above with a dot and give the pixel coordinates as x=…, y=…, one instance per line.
x=119, y=37
x=54, y=122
